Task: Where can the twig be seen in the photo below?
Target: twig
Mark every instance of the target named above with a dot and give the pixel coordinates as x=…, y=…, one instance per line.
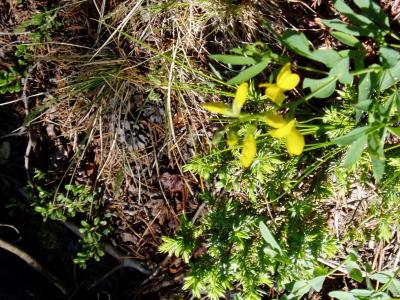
x=34, y=264
x=26, y=106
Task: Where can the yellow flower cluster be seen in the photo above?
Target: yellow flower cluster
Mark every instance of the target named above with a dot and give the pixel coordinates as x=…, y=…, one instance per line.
x=285, y=81
x=287, y=130
x=283, y=129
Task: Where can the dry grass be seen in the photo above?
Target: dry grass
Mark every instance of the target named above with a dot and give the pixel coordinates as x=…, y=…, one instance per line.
x=129, y=116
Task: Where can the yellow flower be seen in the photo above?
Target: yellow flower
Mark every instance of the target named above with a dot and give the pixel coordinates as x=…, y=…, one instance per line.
x=241, y=95
x=273, y=120
x=285, y=81
x=295, y=142
x=249, y=149
x=294, y=139
x=218, y=108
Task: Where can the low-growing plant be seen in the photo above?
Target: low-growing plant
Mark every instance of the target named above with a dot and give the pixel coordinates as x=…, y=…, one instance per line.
x=271, y=145
x=39, y=28
x=76, y=201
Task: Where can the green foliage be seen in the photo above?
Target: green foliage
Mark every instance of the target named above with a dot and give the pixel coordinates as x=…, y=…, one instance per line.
x=257, y=55
x=378, y=285
x=76, y=201
x=39, y=28
x=226, y=250
x=92, y=235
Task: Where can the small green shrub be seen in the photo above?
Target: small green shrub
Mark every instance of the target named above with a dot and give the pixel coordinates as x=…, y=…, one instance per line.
x=76, y=201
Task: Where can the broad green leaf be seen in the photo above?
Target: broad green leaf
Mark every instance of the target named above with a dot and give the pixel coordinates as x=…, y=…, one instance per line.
x=352, y=136
x=378, y=166
x=356, y=275
x=389, y=57
x=269, y=238
x=250, y=72
x=372, y=10
x=394, y=287
x=355, y=151
x=340, y=295
x=363, y=105
x=317, y=283
x=388, y=77
x=298, y=42
x=355, y=18
x=394, y=130
x=346, y=39
x=328, y=57
x=233, y=59
x=338, y=25
x=381, y=277
x=300, y=288
x=322, y=88
x=366, y=88
x=361, y=292
x=341, y=71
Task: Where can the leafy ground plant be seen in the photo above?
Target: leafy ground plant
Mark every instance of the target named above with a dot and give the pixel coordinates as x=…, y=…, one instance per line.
x=326, y=140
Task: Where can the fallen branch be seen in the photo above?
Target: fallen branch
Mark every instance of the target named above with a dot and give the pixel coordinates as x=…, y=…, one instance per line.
x=34, y=264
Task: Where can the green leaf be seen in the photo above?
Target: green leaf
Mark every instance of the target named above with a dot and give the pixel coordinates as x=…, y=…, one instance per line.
x=352, y=136
x=269, y=238
x=300, y=288
x=338, y=25
x=298, y=42
x=328, y=57
x=355, y=18
x=394, y=130
x=346, y=39
x=250, y=72
x=317, y=283
x=381, y=277
x=342, y=295
x=355, y=151
x=322, y=88
x=233, y=59
x=363, y=105
x=378, y=166
x=394, y=287
x=361, y=292
x=388, y=77
x=366, y=88
x=356, y=275
x=389, y=57
x=341, y=70
x=372, y=10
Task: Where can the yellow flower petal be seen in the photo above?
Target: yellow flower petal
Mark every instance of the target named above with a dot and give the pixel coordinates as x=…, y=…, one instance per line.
x=266, y=84
x=218, y=108
x=283, y=131
x=287, y=80
x=249, y=150
x=232, y=139
x=242, y=93
x=275, y=93
x=285, y=69
x=273, y=120
x=295, y=142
